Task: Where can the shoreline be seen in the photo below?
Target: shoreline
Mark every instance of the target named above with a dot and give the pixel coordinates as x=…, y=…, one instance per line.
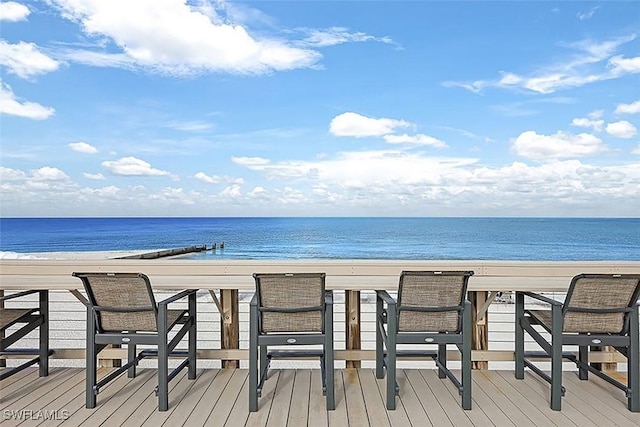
x=63, y=255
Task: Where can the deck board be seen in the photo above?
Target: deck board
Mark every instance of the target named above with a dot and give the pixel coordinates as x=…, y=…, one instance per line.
x=435, y=412
x=294, y=397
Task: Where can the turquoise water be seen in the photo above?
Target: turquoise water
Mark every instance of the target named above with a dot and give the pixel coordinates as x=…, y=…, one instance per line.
x=337, y=238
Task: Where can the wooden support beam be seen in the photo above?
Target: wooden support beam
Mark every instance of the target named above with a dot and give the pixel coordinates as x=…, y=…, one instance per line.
x=229, y=324
x=370, y=355
x=352, y=324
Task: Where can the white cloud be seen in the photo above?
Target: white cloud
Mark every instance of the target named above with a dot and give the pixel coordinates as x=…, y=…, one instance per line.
x=418, y=139
x=178, y=39
x=217, y=179
x=364, y=183
x=83, y=147
x=393, y=182
x=636, y=150
x=13, y=107
x=588, y=123
x=8, y=174
x=362, y=169
x=532, y=145
x=337, y=35
x=357, y=125
x=257, y=192
x=13, y=12
x=25, y=59
x=586, y=15
x=633, y=108
x=190, y=126
x=622, y=129
x=591, y=61
x=620, y=65
x=233, y=191
x=48, y=173
x=131, y=166
x=94, y=176
x=250, y=161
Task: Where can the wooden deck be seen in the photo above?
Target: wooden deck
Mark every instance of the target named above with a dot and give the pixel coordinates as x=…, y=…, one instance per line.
x=294, y=398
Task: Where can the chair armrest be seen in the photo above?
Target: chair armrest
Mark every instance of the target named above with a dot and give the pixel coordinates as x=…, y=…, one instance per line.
x=177, y=296
x=328, y=297
x=384, y=296
x=17, y=295
x=542, y=298
x=254, y=300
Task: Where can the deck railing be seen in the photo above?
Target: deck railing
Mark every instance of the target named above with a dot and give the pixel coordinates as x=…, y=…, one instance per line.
x=225, y=287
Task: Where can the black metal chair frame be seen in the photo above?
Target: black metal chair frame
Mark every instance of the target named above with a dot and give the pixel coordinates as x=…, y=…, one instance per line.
x=388, y=339
x=627, y=343
x=98, y=339
x=32, y=319
x=260, y=357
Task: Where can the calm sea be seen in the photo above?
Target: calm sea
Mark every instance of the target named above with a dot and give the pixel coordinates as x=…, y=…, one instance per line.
x=336, y=238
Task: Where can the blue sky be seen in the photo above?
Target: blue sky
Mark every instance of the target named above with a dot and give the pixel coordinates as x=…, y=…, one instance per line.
x=337, y=108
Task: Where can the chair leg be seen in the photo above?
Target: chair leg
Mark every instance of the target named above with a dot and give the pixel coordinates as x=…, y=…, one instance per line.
x=43, y=354
x=519, y=337
x=466, y=357
x=91, y=362
x=329, y=357
x=192, y=345
x=633, y=363
x=442, y=358
x=556, y=358
x=253, y=358
x=163, y=359
x=583, y=356
x=379, y=339
x=131, y=354
x=392, y=331
x=263, y=361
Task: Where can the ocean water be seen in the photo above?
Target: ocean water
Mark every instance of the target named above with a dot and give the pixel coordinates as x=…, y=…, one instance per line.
x=336, y=238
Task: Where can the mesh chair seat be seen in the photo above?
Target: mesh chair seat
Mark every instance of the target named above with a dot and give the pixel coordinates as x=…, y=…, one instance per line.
x=139, y=321
x=10, y=316
x=584, y=323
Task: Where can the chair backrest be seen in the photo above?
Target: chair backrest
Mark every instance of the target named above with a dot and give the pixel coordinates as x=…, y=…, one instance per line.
x=292, y=302
x=123, y=301
x=432, y=301
x=600, y=303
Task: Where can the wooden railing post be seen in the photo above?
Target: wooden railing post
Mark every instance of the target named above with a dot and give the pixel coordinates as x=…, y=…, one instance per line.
x=352, y=324
x=229, y=324
x=480, y=329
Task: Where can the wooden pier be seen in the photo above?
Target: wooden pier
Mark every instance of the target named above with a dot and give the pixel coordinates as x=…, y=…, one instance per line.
x=167, y=253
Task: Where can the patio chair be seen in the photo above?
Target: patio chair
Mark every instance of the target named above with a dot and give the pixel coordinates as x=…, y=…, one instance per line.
x=290, y=310
x=28, y=319
x=599, y=310
x=121, y=309
x=431, y=309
